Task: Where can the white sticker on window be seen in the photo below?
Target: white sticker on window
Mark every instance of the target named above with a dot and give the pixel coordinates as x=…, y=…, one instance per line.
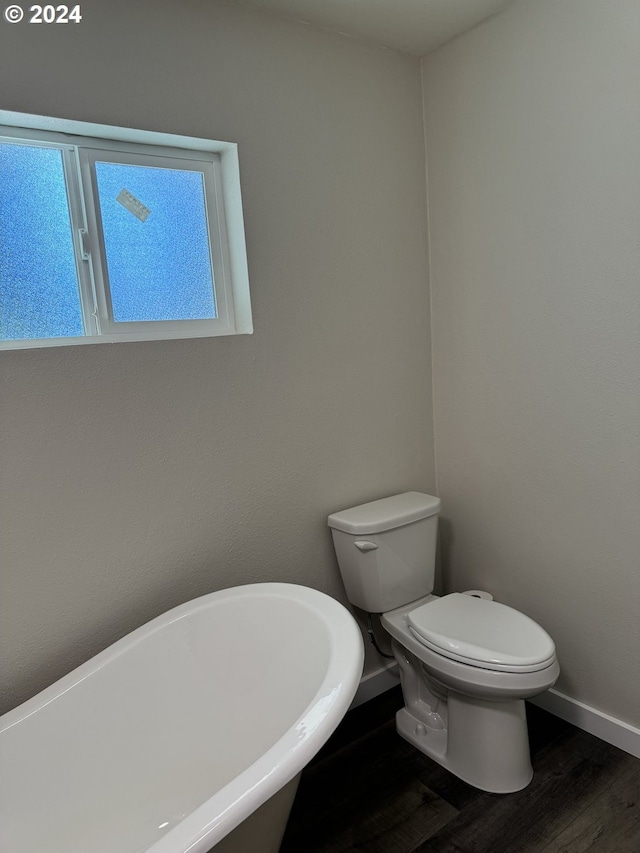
x=133, y=205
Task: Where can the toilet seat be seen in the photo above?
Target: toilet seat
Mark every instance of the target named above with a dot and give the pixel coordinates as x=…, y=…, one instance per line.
x=481, y=633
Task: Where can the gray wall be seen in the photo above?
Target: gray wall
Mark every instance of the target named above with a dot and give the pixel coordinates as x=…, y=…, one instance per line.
x=136, y=476
x=533, y=132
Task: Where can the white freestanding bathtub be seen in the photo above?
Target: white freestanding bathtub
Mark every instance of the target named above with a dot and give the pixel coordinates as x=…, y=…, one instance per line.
x=172, y=737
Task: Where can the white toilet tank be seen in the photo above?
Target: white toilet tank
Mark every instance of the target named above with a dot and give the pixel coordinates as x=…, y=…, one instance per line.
x=386, y=550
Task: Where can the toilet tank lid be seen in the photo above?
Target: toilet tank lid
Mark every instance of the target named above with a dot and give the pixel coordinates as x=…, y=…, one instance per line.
x=385, y=514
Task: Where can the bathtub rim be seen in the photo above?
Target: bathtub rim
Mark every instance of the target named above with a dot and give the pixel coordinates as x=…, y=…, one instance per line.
x=286, y=757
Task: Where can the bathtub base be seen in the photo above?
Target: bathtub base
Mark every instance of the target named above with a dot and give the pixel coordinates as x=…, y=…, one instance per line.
x=262, y=831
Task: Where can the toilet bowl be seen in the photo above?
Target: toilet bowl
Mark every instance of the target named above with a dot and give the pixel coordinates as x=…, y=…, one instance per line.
x=464, y=707
x=466, y=664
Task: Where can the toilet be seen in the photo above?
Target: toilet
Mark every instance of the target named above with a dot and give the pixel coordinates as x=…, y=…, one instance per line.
x=466, y=663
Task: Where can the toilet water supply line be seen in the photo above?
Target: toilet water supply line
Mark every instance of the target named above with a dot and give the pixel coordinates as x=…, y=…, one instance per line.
x=372, y=637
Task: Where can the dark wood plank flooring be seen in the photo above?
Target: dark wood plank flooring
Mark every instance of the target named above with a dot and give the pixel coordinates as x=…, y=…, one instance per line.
x=370, y=791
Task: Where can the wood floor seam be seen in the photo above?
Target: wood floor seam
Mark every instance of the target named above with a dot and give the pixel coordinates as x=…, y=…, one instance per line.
x=577, y=816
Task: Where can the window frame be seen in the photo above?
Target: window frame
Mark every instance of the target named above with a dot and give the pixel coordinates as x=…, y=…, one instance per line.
x=81, y=145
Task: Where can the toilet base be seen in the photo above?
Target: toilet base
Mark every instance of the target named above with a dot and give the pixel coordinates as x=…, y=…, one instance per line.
x=485, y=743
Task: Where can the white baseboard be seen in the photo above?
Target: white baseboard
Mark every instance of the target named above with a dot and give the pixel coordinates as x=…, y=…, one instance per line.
x=376, y=682
x=609, y=729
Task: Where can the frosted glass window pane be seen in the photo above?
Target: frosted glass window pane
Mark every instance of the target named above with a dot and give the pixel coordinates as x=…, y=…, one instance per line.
x=159, y=268
x=39, y=295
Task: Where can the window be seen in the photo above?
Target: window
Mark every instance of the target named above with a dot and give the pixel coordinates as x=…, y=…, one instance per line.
x=111, y=234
